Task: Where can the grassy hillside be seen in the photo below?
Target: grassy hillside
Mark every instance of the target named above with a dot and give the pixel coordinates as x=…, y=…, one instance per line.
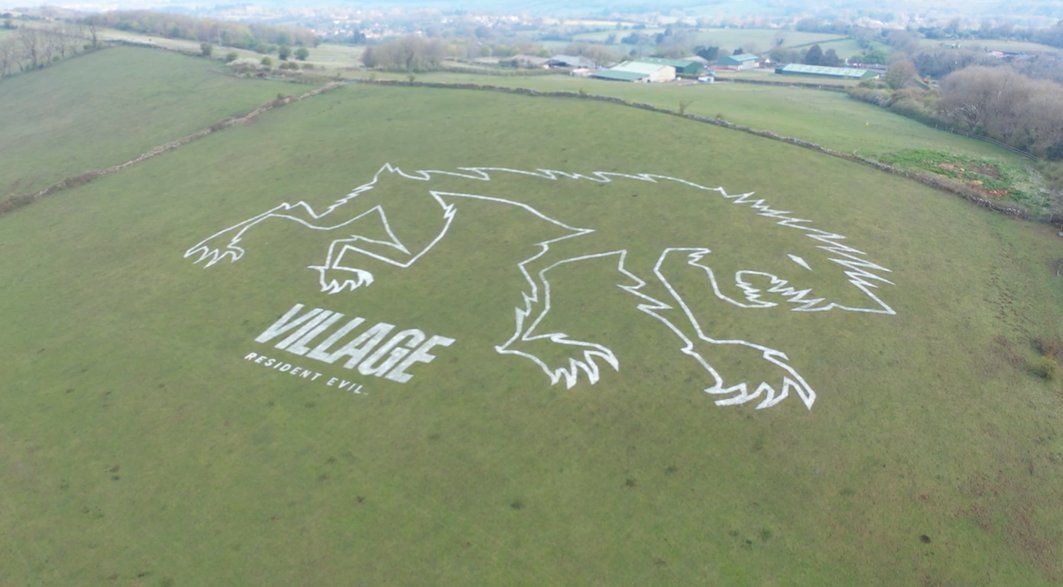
x=137, y=444
x=110, y=106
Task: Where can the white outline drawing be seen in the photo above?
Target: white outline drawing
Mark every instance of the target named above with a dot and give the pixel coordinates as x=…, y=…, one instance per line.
x=675, y=314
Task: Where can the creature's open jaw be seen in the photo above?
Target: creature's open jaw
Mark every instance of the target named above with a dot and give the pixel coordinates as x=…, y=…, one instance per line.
x=764, y=290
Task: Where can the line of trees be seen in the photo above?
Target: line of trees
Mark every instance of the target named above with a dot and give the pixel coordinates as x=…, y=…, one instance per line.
x=35, y=47
x=814, y=55
x=253, y=36
x=995, y=102
x=1003, y=104
x=409, y=53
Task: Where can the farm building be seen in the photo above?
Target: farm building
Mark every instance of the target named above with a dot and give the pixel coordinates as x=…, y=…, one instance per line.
x=740, y=61
x=683, y=67
x=824, y=71
x=569, y=61
x=637, y=71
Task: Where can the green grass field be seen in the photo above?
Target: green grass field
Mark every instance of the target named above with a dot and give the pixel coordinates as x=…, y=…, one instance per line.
x=108, y=107
x=138, y=446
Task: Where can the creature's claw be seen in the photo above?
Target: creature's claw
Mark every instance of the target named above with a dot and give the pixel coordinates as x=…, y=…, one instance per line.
x=337, y=279
x=207, y=255
x=577, y=359
x=587, y=364
x=769, y=393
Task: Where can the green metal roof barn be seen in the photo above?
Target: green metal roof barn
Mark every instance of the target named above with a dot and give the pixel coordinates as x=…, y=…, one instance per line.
x=683, y=67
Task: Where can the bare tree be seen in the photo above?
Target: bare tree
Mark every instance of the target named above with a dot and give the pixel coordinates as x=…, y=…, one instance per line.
x=94, y=29
x=1005, y=105
x=901, y=73
x=32, y=47
x=8, y=56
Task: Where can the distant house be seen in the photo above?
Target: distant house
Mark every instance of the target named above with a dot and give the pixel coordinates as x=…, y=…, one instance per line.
x=637, y=71
x=740, y=61
x=571, y=61
x=824, y=71
x=683, y=67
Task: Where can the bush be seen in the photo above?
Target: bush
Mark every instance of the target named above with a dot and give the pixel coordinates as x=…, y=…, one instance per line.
x=1049, y=346
x=871, y=96
x=266, y=62
x=206, y=49
x=302, y=54
x=1045, y=368
x=231, y=56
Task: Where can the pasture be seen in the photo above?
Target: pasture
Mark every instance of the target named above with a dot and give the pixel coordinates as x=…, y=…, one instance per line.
x=139, y=445
x=108, y=107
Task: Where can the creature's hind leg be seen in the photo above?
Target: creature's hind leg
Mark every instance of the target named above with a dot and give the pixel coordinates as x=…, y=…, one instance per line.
x=559, y=355
x=741, y=371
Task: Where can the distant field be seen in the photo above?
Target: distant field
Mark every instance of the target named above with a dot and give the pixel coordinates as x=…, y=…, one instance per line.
x=990, y=45
x=730, y=39
x=107, y=107
x=180, y=45
x=325, y=55
x=137, y=444
x=336, y=55
x=847, y=47
x=828, y=118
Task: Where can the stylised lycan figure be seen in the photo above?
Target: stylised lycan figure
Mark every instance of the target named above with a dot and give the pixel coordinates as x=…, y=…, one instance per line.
x=738, y=272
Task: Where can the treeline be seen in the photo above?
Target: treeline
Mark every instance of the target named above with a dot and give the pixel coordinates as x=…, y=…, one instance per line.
x=409, y=53
x=995, y=102
x=814, y=55
x=1005, y=105
x=253, y=36
x=955, y=29
x=29, y=48
x=415, y=53
x=1052, y=36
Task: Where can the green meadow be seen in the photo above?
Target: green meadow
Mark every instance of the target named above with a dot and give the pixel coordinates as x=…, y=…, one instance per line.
x=138, y=446
x=108, y=107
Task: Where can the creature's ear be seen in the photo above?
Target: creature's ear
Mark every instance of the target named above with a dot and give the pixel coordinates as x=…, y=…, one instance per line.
x=390, y=171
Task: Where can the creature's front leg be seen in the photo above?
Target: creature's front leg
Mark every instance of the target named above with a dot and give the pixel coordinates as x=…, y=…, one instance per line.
x=334, y=276
x=742, y=371
x=562, y=357
x=225, y=244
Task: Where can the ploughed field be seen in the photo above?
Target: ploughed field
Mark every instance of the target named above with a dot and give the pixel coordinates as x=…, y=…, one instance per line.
x=366, y=391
